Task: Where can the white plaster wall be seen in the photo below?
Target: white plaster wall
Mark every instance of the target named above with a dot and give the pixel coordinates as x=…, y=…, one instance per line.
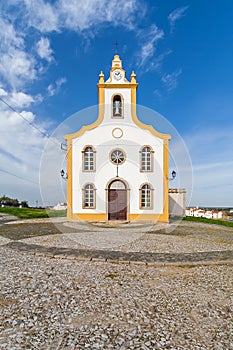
x=131, y=142
x=177, y=204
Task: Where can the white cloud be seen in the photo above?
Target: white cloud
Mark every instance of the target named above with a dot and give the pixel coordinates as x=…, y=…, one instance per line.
x=55, y=88
x=21, y=147
x=9, y=37
x=155, y=62
x=16, y=65
x=42, y=15
x=175, y=15
x=3, y=92
x=44, y=50
x=149, y=40
x=81, y=15
x=20, y=99
x=22, y=143
x=171, y=80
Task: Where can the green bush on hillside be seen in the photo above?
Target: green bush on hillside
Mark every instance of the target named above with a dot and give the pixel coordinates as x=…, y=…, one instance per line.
x=32, y=213
x=208, y=221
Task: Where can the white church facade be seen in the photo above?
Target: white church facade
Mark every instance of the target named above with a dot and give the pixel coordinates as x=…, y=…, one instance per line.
x=117, y=167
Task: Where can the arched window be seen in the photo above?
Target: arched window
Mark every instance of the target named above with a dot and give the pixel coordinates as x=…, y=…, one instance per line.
x=88, y=158
x=117, y=185
x=117, y=106
x=146, y=158
x=89, y=196
x=146, y=196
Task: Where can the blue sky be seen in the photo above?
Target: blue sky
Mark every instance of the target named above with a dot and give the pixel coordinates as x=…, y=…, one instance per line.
x=51, y=53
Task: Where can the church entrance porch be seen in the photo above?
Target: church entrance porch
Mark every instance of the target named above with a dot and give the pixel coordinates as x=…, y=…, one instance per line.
x=117, y=201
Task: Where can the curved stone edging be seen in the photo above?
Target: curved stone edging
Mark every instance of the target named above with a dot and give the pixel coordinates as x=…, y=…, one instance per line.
x=146, y=258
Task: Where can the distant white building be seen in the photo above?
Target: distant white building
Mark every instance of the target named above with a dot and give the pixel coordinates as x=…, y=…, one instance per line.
x=60, y=206
x=208, y=214
x=217, y=214
x=201, y=213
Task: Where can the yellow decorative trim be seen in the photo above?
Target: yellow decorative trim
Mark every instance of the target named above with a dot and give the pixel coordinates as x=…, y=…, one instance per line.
x=139, y=123
x=88, y=217
x=131, y=217
x=165, y=180
x=116, y=61
x=117, y=129
x=69, y=179
x=133, y=77
x=101, y=78
x=127, y=85
x=148, y=217
x=96, y=123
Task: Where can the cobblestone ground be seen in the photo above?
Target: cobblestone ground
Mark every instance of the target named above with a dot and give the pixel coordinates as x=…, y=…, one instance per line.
x=49, y=303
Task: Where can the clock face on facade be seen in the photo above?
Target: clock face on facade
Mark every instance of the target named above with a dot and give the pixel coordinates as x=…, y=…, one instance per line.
x=117, y=74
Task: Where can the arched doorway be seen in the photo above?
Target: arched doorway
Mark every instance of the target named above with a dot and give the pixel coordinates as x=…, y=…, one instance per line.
x=117, y=200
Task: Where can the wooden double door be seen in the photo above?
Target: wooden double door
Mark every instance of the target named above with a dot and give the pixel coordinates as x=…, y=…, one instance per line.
x=117, y=204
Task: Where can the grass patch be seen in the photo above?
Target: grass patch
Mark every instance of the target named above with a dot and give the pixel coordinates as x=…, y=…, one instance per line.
x=32, y=213
x=209, y=221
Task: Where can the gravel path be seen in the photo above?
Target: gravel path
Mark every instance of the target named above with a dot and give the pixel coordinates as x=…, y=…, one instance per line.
x=69, y=304
x=185, y=238
x=135, y=242
x=61, y=304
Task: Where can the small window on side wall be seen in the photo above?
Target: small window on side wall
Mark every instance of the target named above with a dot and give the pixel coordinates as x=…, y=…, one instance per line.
x=146, y=193
x=146, y=159
x=89, y=196
x=117, y=107
x=88, y=158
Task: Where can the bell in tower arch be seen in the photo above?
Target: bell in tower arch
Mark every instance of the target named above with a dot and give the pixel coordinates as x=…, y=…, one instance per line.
x=117, y=106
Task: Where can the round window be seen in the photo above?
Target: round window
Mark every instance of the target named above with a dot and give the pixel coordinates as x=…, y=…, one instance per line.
x=117, y=156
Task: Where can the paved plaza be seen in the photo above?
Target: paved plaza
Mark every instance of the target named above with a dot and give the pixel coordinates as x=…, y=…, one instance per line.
x=88, y=286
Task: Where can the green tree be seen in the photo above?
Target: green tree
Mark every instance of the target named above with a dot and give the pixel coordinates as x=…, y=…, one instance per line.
x=11, y=202
x=24, y=204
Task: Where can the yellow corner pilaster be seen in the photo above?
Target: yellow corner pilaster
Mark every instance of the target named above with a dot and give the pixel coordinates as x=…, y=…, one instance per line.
x=69, y=179
x=165, y=176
